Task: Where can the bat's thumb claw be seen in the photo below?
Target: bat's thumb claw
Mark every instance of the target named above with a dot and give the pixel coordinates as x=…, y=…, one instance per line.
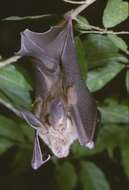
x=48, y=158
x=37, y=164
x=90, y=145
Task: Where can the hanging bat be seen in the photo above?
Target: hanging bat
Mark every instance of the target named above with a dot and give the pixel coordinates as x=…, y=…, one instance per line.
x=64, y=110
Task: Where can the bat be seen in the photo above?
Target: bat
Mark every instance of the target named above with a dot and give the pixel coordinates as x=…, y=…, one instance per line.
x=64, y=109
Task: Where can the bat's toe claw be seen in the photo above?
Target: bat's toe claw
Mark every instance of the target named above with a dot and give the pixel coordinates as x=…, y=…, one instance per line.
x=90, y=144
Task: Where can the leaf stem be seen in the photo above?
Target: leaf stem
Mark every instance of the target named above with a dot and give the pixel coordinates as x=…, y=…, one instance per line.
x=103, y=31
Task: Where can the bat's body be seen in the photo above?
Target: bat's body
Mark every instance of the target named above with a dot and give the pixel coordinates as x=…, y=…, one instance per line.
x=64, y=109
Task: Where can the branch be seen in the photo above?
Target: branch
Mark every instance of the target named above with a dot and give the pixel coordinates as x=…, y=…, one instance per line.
x=8, y=61
x=78, y=10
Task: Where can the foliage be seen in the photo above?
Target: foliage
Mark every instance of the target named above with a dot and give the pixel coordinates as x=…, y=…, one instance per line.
x=102, y=59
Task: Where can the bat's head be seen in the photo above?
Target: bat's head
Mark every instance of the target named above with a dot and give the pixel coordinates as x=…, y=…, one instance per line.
x=60, y=138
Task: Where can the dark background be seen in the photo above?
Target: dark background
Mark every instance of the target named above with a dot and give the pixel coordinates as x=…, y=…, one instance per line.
x=9, y=31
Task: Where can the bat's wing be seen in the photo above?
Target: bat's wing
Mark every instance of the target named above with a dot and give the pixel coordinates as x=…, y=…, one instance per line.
x=84, y=110
x=35, y=123
x=46, y=49
x=45, y=46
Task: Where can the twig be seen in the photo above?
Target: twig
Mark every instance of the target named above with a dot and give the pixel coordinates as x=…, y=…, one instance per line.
x=74, y=2
x=104, y=32
x=8, y=61
x=78, y=10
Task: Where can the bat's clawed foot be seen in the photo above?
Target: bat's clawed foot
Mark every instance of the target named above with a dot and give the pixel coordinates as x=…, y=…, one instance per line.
x=90, y=145
x=68, y=15
x=36, y=165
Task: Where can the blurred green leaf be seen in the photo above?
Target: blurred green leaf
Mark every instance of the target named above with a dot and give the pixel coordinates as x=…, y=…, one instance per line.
x=92, y=178
x=109, y=137
x=100, y=50
x=66, y=177
x=10, y=130
x=82, y=23
x=15, y=86
x=127, y=81
x=27, y=131
x=119, y=42
x=21, y=161
x=5, y=144
x=115, y=113
x=125, y=155
x=78, y=150
x=115, y=12
x=98, y=78
x=81, y=57
x=4, y=97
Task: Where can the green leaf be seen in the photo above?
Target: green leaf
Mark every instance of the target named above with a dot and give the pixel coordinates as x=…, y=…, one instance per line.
x=27, y=131
x=109, y=137
x=125, y=155
x=127, y=81
x=15, y=86
x=10, y=130
x=92, y=178
x=119, y=42
x=100, y=50
x=5, y=144
x=116, y=11
x=82, y=23
x=81, y=57
x=21, y=161
x=78, y=150
x=115, y=113
x=4, y=97
x=98, y=78
x=66, y=177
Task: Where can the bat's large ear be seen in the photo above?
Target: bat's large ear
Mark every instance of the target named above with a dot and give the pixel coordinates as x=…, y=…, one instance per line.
x=31, y=119
x=37, y=159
